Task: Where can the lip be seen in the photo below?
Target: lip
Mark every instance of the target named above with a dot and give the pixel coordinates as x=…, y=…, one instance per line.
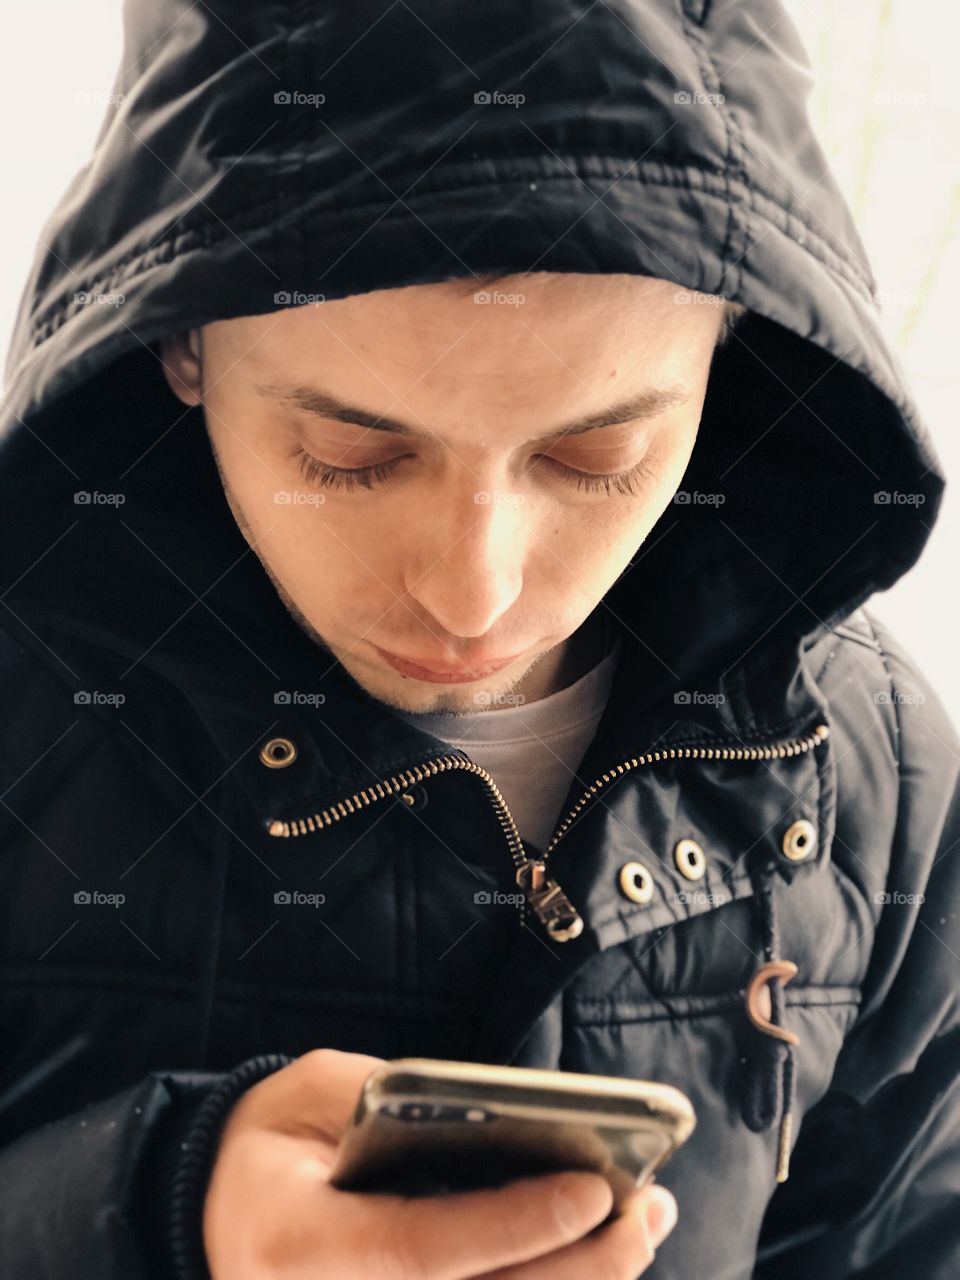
x=443, y=675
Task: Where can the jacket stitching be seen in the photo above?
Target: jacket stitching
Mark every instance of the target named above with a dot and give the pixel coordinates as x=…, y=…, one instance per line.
x=708, y=72
x=207, y=233
x=893, y=692
x=830, y=657
x=597, y=1011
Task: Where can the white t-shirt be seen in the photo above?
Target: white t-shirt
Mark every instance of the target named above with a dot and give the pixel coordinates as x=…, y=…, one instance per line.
x=533, y=750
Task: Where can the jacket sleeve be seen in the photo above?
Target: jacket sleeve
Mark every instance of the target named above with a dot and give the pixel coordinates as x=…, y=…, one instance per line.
x=116, y=1190
x=874, y=1186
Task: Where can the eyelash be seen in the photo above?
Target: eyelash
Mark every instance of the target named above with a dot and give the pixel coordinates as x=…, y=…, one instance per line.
x=321, y=473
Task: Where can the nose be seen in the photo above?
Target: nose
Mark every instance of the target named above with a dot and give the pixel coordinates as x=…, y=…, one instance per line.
x=468, y=566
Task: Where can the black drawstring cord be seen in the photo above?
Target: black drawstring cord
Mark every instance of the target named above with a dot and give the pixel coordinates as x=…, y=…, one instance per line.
x=209, y=981
x=770, y=1079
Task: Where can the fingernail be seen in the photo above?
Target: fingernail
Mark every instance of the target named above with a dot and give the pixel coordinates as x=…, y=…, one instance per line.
x=581, y=1201
x=661, y=1214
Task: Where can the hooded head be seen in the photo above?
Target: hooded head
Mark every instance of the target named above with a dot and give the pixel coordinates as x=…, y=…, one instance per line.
x=291, y=200
x=455, y=476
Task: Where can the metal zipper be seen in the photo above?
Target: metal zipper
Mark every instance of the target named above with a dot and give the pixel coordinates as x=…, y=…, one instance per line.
x=542, y=895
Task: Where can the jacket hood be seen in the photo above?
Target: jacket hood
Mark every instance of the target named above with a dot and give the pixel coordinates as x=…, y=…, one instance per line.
x=264, y=152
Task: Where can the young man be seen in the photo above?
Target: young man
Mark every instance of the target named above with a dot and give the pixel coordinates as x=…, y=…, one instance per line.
x=430, y=630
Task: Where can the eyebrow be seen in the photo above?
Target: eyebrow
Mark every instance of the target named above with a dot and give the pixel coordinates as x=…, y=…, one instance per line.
x=314, y=400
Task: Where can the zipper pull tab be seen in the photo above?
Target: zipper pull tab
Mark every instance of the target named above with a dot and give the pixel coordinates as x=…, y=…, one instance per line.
x=554, y=909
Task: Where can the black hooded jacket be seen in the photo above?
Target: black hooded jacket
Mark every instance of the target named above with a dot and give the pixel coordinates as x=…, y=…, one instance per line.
x=148, y=970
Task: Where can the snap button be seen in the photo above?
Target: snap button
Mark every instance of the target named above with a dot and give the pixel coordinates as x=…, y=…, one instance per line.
x=415, y=798
x=278, y=753
x=690, y=859
x=799, y=840
x=636, y=882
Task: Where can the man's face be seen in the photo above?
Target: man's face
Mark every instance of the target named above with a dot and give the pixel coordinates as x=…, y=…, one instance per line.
x=471, y=537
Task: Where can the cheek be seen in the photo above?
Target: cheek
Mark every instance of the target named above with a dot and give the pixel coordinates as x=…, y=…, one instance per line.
x=332, y=557
x=598, y=542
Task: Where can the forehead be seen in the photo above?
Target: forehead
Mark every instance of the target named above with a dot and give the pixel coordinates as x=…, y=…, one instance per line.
x=542, y=339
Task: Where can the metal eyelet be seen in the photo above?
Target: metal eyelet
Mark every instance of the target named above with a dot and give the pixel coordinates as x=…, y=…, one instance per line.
x=636, y=882
x=278, y=753
x=800, y=840
x=416, y=798
x=690, y=859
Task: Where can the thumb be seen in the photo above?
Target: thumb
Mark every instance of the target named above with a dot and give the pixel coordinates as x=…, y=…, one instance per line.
x=315, y=1094
x=660, y=1214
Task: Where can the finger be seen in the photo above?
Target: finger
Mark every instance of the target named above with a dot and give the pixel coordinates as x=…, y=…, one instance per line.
x=625, y=1247
x=459, y=1235
x=317, y=1092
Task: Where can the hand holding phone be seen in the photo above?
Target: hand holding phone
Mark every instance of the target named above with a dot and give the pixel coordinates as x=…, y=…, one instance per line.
x=271, y=1210
x=427, y=1125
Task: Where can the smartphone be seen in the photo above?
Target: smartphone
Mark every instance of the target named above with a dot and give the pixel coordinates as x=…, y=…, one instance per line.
x=424, y=1126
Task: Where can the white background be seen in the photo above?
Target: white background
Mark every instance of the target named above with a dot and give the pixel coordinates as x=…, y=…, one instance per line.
x=888, y=117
